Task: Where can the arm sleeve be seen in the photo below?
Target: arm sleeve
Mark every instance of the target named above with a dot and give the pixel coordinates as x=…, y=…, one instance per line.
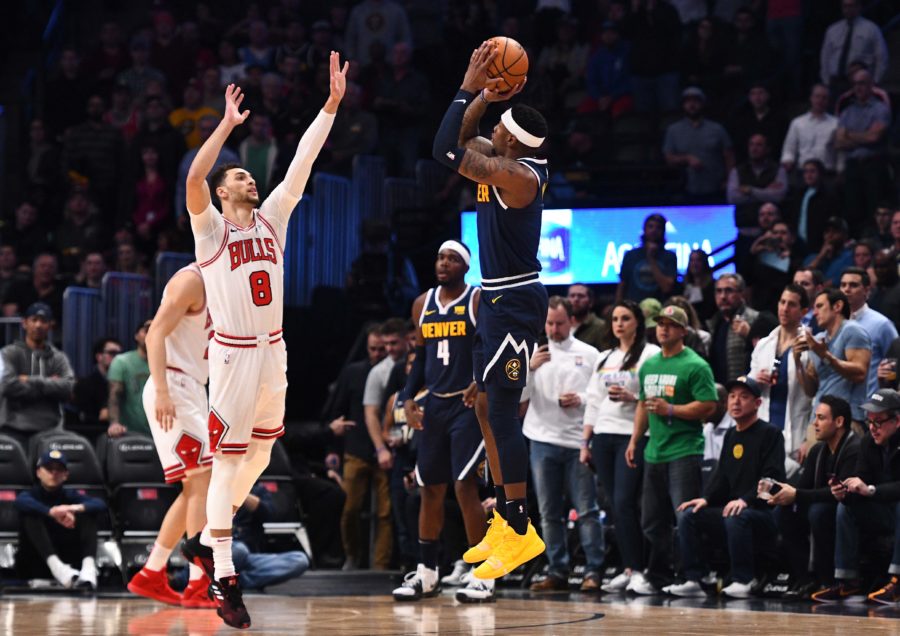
x=307, y=150
x=204, y=227
x=58, y=388
x=703, y=384
x=446, y=149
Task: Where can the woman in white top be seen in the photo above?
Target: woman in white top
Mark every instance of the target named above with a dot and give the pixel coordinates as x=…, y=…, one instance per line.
x=608, y=422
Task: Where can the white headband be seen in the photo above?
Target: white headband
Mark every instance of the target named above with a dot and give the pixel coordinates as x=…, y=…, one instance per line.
x=518, y=132
x=457, y=247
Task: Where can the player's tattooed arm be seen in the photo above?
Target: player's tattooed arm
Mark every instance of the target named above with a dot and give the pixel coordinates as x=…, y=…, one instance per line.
x=468, y=132
x=116, y=389
x=516, y=181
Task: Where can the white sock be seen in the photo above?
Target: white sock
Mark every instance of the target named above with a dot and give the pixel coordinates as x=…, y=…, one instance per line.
x=205, y=538
x=62, y=572
x=159, y=557
x=195, y=572
x=222, y=557
x=88, y=571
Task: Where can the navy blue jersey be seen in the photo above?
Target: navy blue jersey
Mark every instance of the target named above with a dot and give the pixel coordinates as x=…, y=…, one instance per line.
x=508, y=238
x=449, y=333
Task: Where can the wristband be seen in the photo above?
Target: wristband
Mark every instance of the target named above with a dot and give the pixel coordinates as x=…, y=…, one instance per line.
x=481, y=95
x=671, y=410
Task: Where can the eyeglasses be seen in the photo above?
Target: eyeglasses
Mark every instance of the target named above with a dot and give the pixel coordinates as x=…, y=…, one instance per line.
x=112, y=352
x=876, y=424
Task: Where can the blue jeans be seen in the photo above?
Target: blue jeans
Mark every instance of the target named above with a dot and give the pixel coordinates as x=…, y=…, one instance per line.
x=666, y=486
x=557, y=472
x=738, y=532
x=622, y=485
x=259, y=570
x=872, y=516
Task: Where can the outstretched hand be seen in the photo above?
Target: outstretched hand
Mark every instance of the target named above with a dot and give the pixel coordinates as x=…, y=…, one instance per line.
x=233, y=99
x=338, y=83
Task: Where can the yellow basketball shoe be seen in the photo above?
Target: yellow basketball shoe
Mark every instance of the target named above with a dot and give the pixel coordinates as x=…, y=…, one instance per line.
x=492, y=538
x=515, y=550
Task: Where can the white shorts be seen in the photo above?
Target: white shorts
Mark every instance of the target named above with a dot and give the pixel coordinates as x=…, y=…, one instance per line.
x=247, y=387
x=184, y=447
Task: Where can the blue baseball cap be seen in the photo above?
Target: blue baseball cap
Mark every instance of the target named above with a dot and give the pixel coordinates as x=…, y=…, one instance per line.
x=42, y=310
x=53, y=457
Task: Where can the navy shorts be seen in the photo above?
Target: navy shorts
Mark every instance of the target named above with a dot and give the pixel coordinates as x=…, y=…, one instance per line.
x=510, y=321
x=450, y=445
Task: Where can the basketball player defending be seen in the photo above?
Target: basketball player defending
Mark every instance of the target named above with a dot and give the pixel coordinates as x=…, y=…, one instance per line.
x=175, y=401
x=450, y=445
x=509, y=203
x=241, y=254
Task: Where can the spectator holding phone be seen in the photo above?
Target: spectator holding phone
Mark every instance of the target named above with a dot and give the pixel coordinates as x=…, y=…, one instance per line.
x=811, y=506
x=752, y=450
x=612, y=395
x=869, y=504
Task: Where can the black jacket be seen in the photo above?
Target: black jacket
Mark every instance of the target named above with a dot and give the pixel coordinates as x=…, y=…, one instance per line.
x=873, y=469
x=813, y=485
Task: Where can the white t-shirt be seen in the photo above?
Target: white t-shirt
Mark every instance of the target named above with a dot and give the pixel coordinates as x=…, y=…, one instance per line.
x=606, y=416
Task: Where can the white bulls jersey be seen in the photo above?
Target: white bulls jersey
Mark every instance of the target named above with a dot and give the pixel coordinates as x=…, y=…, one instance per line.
x=243, y=267
x=186, y=345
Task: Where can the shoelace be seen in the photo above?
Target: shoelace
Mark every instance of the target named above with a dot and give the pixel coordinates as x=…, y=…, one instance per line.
x=490, y=537
x=412, y=578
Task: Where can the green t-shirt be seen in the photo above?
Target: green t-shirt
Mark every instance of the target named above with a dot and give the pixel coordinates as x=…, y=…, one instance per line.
x=681, y=379
x=131, y=370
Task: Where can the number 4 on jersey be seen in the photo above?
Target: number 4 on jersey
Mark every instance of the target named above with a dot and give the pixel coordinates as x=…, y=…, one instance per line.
x=443, y=351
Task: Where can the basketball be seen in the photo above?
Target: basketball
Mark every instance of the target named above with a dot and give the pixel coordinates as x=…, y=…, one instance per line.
x=511, y=63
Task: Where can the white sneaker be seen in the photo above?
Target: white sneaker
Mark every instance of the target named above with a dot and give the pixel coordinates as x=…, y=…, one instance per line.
x=455, y=578
x=688, y=589
x=64, y=573
x=476, y=591
x=423, y=583
x=618, y=583
x=738, y=590
x=87, y=578
x=640, y=585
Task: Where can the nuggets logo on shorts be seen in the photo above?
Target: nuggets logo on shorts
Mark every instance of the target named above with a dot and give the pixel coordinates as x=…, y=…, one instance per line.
x=481, y=470
x=513, y=369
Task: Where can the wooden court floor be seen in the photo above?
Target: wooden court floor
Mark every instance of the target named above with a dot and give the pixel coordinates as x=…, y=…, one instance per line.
x=381, y=616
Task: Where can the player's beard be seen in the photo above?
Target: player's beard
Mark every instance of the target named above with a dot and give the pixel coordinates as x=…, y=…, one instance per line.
x=249, y=198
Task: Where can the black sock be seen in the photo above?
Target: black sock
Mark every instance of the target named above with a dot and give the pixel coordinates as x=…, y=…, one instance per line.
x=501, y=501
x=517, y=515
x=428, y=551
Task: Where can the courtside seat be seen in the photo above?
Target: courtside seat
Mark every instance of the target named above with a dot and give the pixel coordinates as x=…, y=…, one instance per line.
x=15, y=476
x=139, y=495
x=286, y=521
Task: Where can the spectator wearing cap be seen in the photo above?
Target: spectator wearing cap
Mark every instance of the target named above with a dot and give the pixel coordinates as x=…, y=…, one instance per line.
x=809, y=506
x=760, y=179
x=811, y=135
x=756, y=117
x=701, y=147
x=856, y=285
x=59, y=524
x=839, y=361
x=862, y=136
x=37, y=379
x=677, y=394
x=650, y=270
x=869, y=503
x=784, y=403
x=187, y=118
x=850, y=39
x=730, y=329
x=836, y=253
x=751, y=451
x=127, y=376
x=813, y=204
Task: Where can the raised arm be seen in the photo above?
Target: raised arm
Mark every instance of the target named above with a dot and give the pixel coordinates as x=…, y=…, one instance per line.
x=195, y=185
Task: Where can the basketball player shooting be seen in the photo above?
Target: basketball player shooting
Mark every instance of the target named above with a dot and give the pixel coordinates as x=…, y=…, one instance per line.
x=241, y=255
x=509, y=203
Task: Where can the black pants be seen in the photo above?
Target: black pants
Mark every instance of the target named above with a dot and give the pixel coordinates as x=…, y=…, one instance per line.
x=323, y=501
x=795, y=524
x=42, y=537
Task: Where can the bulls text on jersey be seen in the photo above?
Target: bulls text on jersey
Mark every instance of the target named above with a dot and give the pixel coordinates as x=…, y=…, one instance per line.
x=252, y=250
